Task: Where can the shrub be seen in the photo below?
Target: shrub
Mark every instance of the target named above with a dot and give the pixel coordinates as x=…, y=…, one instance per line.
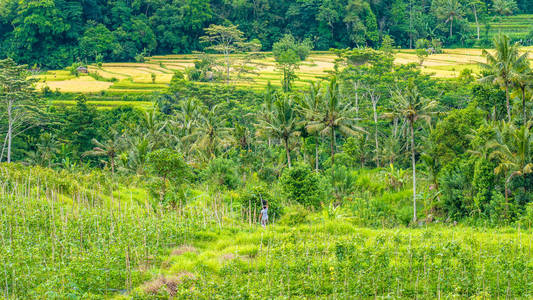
x=167, y=165
x=456, y=187
x=253, y=198
x=288, y=42
x=483, y=183
x=178, y=75
x=301, y=185
x=223, y=172
x=294, y=215
x=140, y=57
x=527, y=217
x=193, y=74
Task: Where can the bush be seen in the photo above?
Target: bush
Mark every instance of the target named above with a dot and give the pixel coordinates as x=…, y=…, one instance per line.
x=193, y=74
x=168, y=165
x=253, y=198
x=294, y=215
x=140, y=57
x=178, y=75
x=456, y=187
x=301, y=185
x=223, y=172
x=288, y=42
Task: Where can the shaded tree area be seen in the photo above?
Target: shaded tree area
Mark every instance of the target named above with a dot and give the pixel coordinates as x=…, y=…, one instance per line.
x=57, y=33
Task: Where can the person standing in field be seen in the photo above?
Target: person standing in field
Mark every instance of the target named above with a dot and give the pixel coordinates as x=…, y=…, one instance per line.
x=264, y=215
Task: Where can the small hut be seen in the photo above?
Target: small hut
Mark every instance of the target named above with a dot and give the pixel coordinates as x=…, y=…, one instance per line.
x=82, y=70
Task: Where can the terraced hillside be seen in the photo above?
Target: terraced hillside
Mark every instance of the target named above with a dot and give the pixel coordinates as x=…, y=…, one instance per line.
x=113, y=84
x=516, y=27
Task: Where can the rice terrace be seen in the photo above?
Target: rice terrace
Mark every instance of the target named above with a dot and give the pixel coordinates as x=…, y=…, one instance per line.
x=137, y=77
x=266, y=149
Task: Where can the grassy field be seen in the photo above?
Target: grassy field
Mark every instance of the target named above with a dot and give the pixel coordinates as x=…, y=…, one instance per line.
x=84, y=236
x=132, y=79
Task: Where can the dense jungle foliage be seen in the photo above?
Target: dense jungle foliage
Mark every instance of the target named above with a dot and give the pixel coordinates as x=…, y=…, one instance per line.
x=57, y=33
x=467, y=140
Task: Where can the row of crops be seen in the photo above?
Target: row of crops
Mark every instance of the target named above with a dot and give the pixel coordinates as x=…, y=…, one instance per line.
x=82, y=236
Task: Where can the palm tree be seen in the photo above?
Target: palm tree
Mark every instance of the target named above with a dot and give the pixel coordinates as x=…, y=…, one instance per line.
x=154, y=126
x=265, y=110
x=512, y=147
x=184, y=121
x=504, y=7
x=523, y=79
x=187, y=114
x=474, y=4
x=210, y=132
x=135, y=158
x=309, y=108
x=334, y=115
x=241, y=136
x=110, y=148
x=282, y=124
x=448, y=11
x=411, y=106
x=504, y=65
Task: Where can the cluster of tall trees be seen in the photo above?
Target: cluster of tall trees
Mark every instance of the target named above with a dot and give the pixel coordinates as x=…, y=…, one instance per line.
x=56, y=33
x=467, y=141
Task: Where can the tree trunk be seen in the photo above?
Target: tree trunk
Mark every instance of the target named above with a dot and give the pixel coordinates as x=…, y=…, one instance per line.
x=9, y=129
x=410, y=25
x=506, y=198
x=451, y=28
x=523, y=88
x=507, y=101
x=163, y=189
x=395, y=128
x=3, y=148
x=477, y=23
x=227, y=66
x=316, y=153
x=332, y=146
x=414, y=168
x=286, y=141
x=355, y=84
x=374, y=107
x=112, y=162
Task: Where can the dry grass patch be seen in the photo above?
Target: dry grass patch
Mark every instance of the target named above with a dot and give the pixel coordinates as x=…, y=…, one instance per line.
x=184, y=249
x=83, y=84
x=169, y=283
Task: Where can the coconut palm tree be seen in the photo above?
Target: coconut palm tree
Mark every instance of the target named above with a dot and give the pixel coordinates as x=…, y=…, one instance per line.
x=512, y=147
x=109, y=148
x=412, y=106
x=184, y=121
x=154, y=127
x=264, y=113
x=503, y=65
x=309, y=106
x=334, y=115
x=136, y=157
x=210, y=132
x=523, y=79
x=475, y=4
x=240, y=136
x=504, y=7
x=187, y=115
x=46, y=152
x=448, y=11
x=282, y=124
